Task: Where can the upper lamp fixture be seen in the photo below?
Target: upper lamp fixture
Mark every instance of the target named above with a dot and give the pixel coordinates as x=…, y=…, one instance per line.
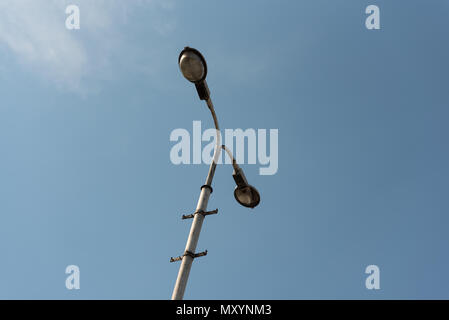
x=193, y=65
x=194, y=68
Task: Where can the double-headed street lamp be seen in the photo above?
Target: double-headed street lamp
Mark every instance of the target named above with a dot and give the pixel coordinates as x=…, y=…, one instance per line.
x=194, y=68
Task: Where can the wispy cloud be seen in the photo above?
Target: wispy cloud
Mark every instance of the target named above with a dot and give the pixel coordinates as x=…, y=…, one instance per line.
x=34, y=32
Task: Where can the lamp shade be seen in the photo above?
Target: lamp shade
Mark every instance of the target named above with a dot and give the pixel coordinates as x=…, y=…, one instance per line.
x=193, y=65
x=247, y=196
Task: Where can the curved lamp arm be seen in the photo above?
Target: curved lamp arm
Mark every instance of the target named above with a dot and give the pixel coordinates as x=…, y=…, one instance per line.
x=218, y=147
x=217, y=128
x=234, y=162
x=244, y=193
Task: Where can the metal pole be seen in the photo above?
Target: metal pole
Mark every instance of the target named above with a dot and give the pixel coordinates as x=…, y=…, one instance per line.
x=195, y=229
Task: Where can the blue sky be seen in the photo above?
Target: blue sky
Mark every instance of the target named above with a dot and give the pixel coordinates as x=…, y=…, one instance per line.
x=86, y=178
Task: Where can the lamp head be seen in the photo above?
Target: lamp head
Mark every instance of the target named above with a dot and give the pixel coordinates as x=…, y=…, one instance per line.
x=193, y=65
x=244, y=193
x=247, y=196
x=194, y=68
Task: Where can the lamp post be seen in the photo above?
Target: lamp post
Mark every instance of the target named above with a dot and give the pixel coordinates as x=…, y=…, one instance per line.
x=194, y=68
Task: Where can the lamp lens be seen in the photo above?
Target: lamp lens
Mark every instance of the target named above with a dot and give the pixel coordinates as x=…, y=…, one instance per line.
x=247, y=196
x=192, y=66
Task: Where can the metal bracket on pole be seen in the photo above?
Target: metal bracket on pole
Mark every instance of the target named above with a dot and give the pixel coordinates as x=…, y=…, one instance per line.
x=190, y=254
x=203, y=213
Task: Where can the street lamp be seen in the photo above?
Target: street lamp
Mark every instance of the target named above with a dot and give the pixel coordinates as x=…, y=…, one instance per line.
x=194, y=68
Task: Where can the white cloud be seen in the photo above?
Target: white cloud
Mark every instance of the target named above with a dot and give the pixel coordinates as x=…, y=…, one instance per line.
x=34, y=32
